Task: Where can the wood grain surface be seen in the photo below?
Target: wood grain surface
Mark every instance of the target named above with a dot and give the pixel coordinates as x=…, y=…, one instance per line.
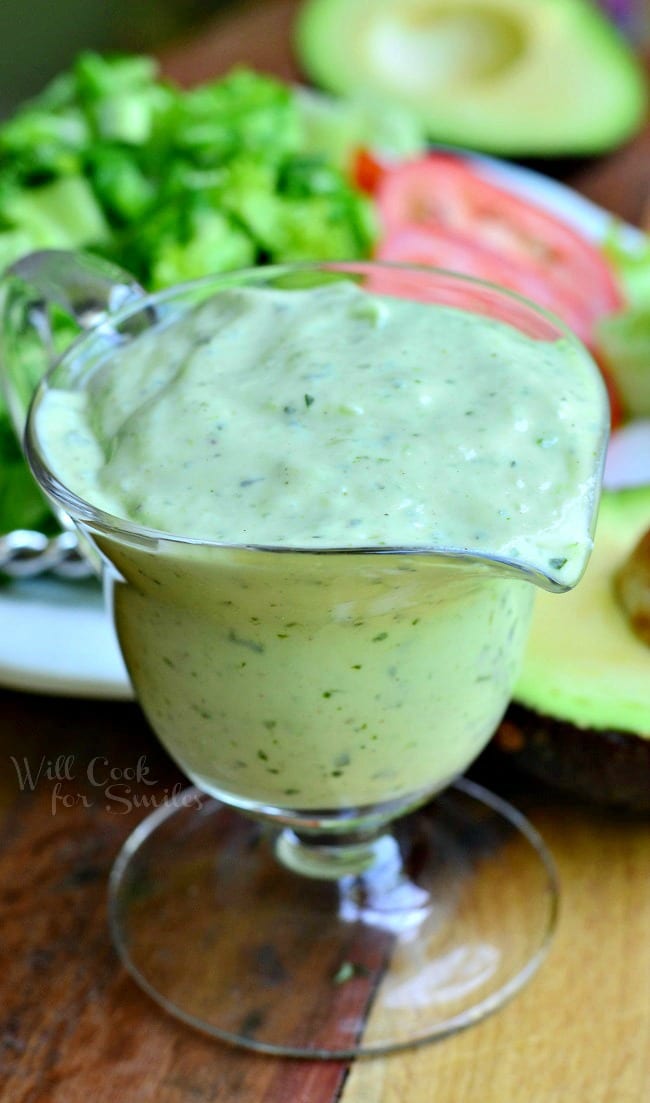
x=74, y=1027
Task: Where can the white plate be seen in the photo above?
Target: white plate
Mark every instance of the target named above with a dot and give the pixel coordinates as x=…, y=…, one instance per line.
x=56, y=637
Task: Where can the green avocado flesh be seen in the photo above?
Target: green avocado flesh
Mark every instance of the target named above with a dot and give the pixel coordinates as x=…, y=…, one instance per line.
x=583, y=662
x=516, y=77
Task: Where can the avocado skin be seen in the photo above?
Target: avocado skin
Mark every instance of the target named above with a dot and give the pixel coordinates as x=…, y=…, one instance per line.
x=572, y=727
x=604, y=767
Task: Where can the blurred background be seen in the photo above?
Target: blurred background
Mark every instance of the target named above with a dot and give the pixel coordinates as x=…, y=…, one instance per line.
x=41, y=38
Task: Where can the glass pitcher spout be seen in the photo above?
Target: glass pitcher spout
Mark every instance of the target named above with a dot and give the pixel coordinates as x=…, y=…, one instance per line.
x=48, y=299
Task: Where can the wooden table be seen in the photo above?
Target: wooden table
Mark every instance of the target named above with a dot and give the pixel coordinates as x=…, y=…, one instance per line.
x=74, y=1026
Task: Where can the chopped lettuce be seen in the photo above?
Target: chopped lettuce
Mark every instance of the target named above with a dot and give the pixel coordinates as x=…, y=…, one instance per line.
x=173, y=184
x=211, y=241
x=60, y=214
x=339, y=128
x=631, y=262
x=624, y=344
x=624, y=338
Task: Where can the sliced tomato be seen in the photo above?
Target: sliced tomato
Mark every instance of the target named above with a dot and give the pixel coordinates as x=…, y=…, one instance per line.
x=367, y=170
x=448, y=249
x=444, y=193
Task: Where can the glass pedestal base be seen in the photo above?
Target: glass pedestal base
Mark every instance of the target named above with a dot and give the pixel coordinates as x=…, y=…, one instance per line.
x=453, y=919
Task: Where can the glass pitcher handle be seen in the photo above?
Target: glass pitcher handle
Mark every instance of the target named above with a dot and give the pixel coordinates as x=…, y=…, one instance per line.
x=48, y=299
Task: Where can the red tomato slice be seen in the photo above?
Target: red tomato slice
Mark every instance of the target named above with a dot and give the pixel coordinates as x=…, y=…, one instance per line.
x=367, y=170
x=442, y=192
x=446, y=249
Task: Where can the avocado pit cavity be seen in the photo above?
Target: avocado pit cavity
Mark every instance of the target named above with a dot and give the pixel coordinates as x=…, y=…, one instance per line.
x=426, y=48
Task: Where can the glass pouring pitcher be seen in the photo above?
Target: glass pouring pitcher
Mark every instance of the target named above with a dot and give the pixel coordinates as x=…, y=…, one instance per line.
x=248, y=642
x=326, y=690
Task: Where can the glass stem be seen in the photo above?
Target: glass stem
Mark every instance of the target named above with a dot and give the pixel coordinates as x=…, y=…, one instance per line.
x=374, y=887
x=333, y=857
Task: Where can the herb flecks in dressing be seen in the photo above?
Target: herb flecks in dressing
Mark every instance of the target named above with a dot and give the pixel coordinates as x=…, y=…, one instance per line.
x=331, y=418
x=328, y=418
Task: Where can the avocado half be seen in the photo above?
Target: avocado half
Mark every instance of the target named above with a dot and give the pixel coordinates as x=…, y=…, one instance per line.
x=580, y=717
x=514, y=77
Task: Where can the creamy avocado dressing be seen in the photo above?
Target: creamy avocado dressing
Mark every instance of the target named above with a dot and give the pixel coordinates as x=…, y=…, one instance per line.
x=319, y=419
x=329, y=418
x=318, y=681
